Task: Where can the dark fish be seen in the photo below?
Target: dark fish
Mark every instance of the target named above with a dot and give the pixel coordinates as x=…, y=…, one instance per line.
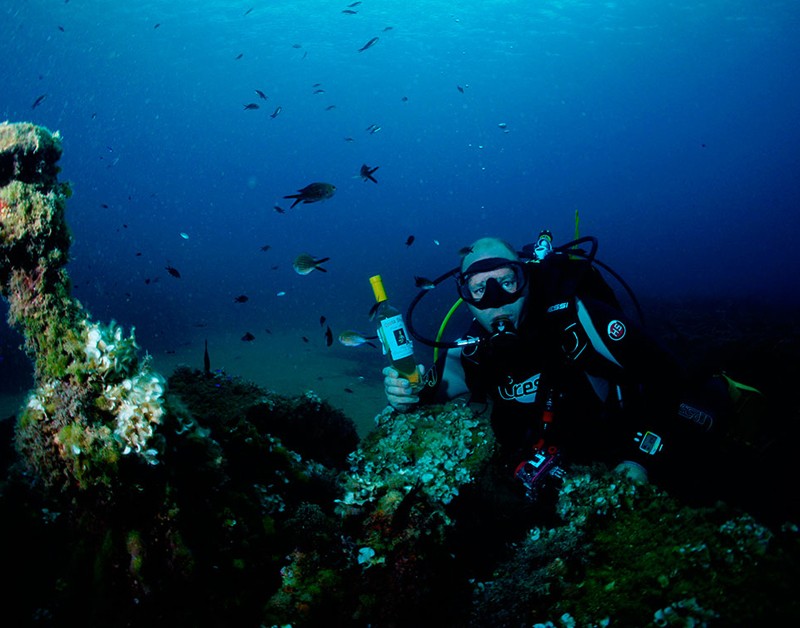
x=266, y=247
x=330, y=107
x=423, y=283
x=261, y=94
x=305, y=263
x=312, y=193
x=279, y=209
x=38, y=101
x=367, y=172
x=173, y=271
x=349, y=11
x=322, y=320
x=248, y=11
x=277, y=111
x=349, y=139
x=297, y=45
x=459, y=88
x=319, y=91
x=372, y=311
x=239, y=56
x=464, y=251
x=157, y=25
x=328, y=337
x=373, y=128
x=206, y=361
x=250, y=106
x=404, y=99
x=242, y=298
x=248, y=337
x=369, y=44
x=354, y=4
x=410, y=240
x=304, y=339
x=348, y=390
x=61, y=28
x=103, y=205
x=268, y=330
x=388, y=28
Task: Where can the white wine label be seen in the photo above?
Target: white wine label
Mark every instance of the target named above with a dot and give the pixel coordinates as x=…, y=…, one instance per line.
x=395, y=338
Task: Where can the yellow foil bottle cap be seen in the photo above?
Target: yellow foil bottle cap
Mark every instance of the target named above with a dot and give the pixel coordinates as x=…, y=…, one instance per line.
x=377, y=288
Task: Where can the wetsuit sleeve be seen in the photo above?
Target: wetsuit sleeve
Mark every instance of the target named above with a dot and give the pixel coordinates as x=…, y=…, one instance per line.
x=450, y=379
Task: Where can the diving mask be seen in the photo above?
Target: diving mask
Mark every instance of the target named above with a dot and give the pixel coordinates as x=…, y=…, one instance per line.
x=492, y=282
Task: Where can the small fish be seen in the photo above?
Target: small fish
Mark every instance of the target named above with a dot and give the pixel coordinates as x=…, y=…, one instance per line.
x=423, y=283
x=268, y=330
x=280, y=294
x=248, y=11
x=184, y=235
x=322, y=320
x=319, y=91
x=239, y=56
x=261, y=94
x=353, y=4
x=157, y=25
x=328, y=336
x=349, y=11
x=279, y=209
x=352, y=338
x=297, y=46
x=367, y=172
x=404, y=99
x=305, y=339
x=373, y=128
x=277, y=112
x=248, y=337
x=305, y=263
x=104, y=205
x=348, y=390
x=464, y=251
x=330, y=107
x=349, y=139
x=173, y=271
x=369, y=44
x=242, y=298
x=206, y=361
x=388, y=28
x=61, y=28
x=38, y=101
x=410, y=240
x=312, y=193
x=266, y=247
x=459, y=88
x=436, y=242
x=251, y=106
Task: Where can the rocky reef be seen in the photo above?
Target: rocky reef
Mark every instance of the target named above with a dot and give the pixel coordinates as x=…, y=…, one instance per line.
x=131, y=499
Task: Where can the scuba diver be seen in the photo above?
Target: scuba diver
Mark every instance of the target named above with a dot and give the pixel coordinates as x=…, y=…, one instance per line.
x=569, y=377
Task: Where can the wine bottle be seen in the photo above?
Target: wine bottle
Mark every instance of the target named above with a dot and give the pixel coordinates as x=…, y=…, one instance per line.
x=394, y=336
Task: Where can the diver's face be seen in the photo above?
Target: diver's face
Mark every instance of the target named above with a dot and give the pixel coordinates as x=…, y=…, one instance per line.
x=506, y=279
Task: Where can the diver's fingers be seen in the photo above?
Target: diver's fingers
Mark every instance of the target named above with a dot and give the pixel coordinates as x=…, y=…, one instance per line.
x=398, y=390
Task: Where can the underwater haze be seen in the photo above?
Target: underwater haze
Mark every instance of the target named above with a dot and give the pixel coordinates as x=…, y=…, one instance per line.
x=672, y=128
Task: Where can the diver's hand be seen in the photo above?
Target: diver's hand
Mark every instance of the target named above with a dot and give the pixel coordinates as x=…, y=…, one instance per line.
x=398, y=389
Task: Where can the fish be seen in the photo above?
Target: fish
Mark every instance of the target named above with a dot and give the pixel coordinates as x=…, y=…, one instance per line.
x=173, y=271
x=305, y=263
x=354, y=4
x=350, y=338
x=369, y=44
x=305, y=339
x=248, y=11
x=322, y=320
x=248, y=337
x=464, y=251
x=319, y=91
x=261, y=94
x=410, y=240
x=328, y=336
x=279, y=209
x=242, y=298
x=206, y=361
x=250, y=106
x=424, y=283
x=373, y=128
x=349, y=11
x=330, y=107
x=282, y=293
x=239, y=56
x=367, y=172
x=266, y=248
x=349, y=139
x=38, y=101
x=348, y=390
x=277, y=111
x=459, y=88
x=388, y=28
x=312, y=193
x=184, y=235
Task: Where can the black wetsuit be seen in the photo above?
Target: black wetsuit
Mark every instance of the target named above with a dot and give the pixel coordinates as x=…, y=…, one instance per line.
x=606, y=383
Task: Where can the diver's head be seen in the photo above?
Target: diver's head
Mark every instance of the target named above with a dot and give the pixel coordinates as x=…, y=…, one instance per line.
x=493, y=283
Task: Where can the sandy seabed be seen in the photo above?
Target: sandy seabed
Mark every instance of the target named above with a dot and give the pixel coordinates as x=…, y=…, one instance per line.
x=349, y=378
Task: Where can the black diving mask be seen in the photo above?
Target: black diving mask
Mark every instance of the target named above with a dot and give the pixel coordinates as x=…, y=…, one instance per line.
x=506, y=285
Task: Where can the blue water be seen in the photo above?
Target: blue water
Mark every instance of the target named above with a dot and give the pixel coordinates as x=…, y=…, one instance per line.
x=672, y=128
